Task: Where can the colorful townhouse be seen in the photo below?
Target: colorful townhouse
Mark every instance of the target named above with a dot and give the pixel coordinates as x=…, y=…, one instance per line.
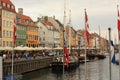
x=71, y=36
x=7, y=17
x=27, y=30
x=49, y=35
x=21, y=28
x=56, y=29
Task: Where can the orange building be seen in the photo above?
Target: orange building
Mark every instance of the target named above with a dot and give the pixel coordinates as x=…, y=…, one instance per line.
x=72, y=37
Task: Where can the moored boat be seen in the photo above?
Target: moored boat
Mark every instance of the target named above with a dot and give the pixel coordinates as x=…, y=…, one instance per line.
x=98, y=56
x=58, y=64
x=117, y=62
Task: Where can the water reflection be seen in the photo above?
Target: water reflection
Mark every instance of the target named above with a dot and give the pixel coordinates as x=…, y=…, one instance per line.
x=98, y=70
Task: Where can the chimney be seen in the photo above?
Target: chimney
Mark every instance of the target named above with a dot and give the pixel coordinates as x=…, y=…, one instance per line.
x=53, y=17
x=20, y=10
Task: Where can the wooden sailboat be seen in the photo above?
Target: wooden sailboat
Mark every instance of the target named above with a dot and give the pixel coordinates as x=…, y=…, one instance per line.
x=100, y=55
x=66, y=61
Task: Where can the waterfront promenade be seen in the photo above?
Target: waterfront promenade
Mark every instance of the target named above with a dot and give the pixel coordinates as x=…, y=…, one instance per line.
x=23, y=65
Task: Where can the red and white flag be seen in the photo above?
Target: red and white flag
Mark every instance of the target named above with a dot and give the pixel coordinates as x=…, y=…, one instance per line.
x=14, y=32
x=118, y=22
x=67, y=57
x=87, y=27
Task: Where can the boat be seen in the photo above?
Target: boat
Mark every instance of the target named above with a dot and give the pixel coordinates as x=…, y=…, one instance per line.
x=101, y=56
x=58, y=64
x=98, y=56
x=68, y=60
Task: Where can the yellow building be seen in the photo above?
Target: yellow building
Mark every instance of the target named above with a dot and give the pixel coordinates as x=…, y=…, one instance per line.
x=72, y=37
x=32, y=35
x=7, y=15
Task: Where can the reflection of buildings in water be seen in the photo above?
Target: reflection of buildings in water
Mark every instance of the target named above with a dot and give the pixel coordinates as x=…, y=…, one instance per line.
x=100, y=70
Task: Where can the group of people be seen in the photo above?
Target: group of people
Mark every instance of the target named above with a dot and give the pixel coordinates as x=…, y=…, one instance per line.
x=22, y=54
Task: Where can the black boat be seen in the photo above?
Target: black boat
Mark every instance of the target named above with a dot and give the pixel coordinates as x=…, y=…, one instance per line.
x=117, y=62
x=58, y=64
x=93, y=56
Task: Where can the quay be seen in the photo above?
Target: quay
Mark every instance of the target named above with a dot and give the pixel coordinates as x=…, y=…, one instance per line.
x=22, y=65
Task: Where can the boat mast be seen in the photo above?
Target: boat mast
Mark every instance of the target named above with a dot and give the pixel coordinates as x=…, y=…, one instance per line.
x=69, y=31
x=99, y=40
x=86, y=73
x=64, y=34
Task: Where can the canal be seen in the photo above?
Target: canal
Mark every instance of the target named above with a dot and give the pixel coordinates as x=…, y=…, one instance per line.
x=97, y=70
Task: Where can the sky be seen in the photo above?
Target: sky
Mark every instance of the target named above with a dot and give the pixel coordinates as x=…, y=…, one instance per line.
x=101, y=13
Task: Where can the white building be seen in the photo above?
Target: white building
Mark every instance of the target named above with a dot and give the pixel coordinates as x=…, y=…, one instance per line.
x=48, y=34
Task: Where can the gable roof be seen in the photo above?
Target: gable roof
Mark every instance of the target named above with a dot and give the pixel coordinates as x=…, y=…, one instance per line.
x=24, y=18
x=11, y=8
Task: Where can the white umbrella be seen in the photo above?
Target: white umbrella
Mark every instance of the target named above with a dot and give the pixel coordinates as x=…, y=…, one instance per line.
x=47, y=48
x=31, y=48
x=2, y=48
x=26, y=48
x=18, y=48
x=58, y=48
x=8, y=48
x=40, y=48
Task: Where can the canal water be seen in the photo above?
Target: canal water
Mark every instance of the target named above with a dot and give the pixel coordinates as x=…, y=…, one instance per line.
x=97, y=70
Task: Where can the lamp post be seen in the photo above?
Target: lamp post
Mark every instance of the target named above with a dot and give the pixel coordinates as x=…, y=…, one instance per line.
x=1, y=63
x=109, y=30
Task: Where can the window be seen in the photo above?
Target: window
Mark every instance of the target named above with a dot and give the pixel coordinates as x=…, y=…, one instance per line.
x=40, y=27
x=43, y=38
x=3, y=23
x=4, y=4
x=6, y=23
x=7, y=43
x=11, y=24
x=4, y=33
x=3, y=13
x=7, y=34
x=12, y=7
x=19, y=20
x=40, y=39
x=3, y=43
x=27, y=21
x=10, y=43
x=44, y=33
x=10, y=33
x=8, y=5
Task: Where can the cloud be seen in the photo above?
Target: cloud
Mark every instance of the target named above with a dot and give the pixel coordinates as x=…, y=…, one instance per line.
x=100, y=13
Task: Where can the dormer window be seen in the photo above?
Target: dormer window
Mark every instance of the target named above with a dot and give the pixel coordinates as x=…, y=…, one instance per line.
x=27, y=21
x=19, y=20
x=8, y=5
x=31, y=23
x=12, y=7
x=4, y=4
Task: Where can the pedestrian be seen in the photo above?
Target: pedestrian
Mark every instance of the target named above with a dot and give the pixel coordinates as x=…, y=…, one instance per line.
x=43, y=53
x=4, y=56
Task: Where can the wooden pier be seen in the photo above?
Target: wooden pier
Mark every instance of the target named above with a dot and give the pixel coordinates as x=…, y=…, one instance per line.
x=22, y=66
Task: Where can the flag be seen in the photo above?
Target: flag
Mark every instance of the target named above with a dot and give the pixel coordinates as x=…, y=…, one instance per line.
x=14, y=32
x=118, y=22
x=67, y=58
x=113, y=58
x=66, y=51
x=66, y=62
x=112, y=44
x=87, y=27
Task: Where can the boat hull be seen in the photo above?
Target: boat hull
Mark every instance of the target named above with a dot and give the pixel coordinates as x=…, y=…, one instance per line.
x=58, y=66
